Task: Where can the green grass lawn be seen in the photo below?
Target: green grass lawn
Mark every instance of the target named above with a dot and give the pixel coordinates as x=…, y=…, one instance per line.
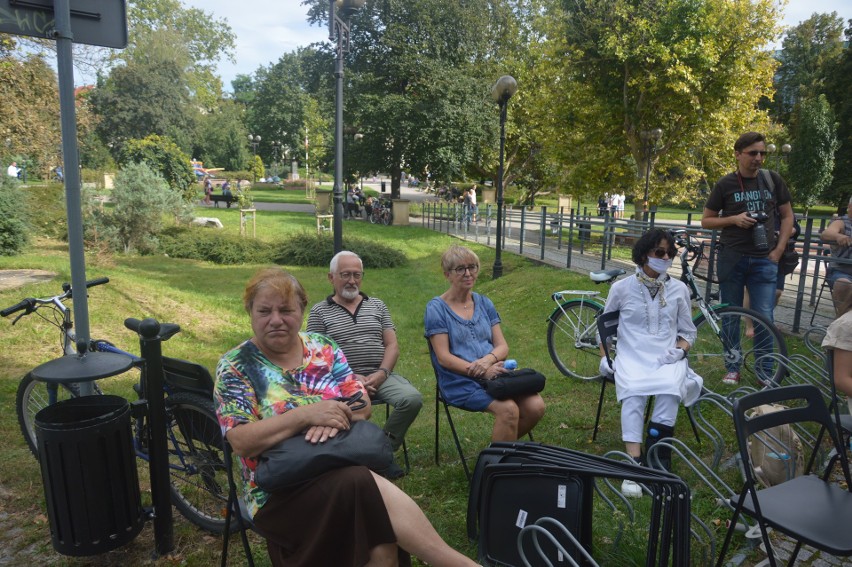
x=205, y=299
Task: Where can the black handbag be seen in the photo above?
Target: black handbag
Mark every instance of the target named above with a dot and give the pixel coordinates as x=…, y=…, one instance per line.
x=294, y=460
x=515, y=383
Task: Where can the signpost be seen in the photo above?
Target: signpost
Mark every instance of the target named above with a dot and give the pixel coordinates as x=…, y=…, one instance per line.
x=102, y=23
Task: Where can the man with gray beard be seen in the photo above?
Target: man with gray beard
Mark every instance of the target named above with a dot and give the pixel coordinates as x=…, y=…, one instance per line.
x=362, y=327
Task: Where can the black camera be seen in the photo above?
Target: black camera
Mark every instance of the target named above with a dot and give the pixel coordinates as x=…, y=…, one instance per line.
x=761, y=242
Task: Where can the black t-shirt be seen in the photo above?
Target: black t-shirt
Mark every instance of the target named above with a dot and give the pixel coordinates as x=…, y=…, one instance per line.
x=732, y=198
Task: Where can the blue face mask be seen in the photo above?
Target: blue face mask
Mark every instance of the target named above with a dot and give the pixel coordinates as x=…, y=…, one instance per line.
x=659, y=265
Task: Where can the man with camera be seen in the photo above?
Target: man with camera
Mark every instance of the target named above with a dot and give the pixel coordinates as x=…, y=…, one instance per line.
x=745, y=206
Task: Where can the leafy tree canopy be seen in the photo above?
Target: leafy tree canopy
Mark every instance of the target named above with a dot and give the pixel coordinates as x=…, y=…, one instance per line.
x=165, y=158
x=695, y=68
x=812, y=162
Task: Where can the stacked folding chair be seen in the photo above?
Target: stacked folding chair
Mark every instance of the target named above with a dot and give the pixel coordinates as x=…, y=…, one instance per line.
x=533, y=504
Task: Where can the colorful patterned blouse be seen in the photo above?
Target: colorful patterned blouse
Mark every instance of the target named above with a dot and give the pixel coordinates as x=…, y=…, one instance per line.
x=250, y=387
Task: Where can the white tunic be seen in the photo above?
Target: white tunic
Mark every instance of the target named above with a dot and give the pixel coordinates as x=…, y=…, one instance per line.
x=645, y=331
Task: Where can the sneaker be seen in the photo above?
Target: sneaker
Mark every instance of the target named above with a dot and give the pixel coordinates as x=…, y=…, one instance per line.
x=394, y=472
x=731, y=378
x=631, y=489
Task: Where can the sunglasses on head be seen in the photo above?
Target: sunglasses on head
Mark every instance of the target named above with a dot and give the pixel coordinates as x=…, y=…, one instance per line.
x=753, y=153
x=660, y=252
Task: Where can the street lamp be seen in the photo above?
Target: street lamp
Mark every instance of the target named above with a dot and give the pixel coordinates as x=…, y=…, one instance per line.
x=253, y=141
x=785, y=153
x=649, y=147
x=339, y=12
x=505, y=87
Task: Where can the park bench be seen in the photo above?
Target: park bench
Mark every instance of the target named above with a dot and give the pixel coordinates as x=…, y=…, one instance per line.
x=227, y=199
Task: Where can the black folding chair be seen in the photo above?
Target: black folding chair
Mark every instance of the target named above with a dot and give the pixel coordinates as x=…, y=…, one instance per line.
x=439, y=399
x=235, y=509
x=381, y=402
x=608, y=329
x=807, y=508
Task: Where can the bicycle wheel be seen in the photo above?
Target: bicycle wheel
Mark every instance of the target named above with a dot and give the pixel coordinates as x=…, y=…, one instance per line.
x=374, y=216
x=31, y=397
x=572, y=339
x=199, y=482
x=387, y=217
x=737, y=349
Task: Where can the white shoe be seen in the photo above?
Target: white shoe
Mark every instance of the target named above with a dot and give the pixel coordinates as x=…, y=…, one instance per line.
x=631, y=489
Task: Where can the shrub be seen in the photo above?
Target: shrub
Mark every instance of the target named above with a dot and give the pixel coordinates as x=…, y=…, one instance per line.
x=308, y=249
x=141, y=199
x=198, y=243
x=14, y=213
x=164, y=157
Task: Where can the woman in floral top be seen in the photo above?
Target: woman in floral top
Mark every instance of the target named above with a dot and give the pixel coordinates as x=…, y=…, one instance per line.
x=282, y=383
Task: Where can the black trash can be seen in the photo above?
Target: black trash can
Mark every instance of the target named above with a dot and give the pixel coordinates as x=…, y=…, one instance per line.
x=585, y=230
x=384, y=187
x=88, y=466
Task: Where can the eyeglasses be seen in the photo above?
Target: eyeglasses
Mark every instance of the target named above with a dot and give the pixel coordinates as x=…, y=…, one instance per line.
x=754, y=153
x=460, y=270
x=347, y=275
x=660, y=252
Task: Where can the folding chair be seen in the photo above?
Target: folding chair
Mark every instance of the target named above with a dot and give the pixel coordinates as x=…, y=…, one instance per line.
x=235, y=508
x=381, y=402
x=828, y=269
x=807, y=508
x=439, y=399
x=607, y=329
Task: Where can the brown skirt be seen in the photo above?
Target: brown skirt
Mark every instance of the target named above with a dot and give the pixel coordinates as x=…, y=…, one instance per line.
x=335, y=519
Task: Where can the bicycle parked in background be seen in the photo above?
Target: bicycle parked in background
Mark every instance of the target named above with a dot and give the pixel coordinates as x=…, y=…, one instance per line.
x=381, y=212
x=198, y=481
x=724, y=341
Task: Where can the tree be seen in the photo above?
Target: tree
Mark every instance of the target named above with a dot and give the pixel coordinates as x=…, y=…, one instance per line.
x=14, y=213
x=222, y=134
x=812, y=162
x=148, y=95
x=29, y=113
x=142, y=198
x=203, y=39
x=807, y=55
x=838, y=87
x=164, y=157
x=416, y=92
x=695, y=68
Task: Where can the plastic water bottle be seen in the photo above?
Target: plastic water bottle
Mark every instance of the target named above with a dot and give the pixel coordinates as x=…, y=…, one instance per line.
x=510, y=364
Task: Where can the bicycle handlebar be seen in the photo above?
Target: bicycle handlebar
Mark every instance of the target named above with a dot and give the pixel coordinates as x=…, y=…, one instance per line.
x=27, y=303
x=31, y=303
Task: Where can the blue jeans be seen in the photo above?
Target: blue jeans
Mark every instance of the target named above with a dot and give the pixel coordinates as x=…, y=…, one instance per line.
x=760, y=277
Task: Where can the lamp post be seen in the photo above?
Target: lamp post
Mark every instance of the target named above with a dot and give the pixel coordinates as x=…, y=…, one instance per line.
x=649, y=147
x=505, y=87
x=782, y=156
x=253, y=142
x=339, y=12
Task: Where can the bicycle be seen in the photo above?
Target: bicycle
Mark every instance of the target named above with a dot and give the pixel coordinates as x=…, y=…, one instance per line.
x=721, y=343
x=381, y=212
x=198, y=480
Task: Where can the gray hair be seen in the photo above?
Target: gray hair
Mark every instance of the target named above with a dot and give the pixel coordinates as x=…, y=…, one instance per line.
x=332, y=267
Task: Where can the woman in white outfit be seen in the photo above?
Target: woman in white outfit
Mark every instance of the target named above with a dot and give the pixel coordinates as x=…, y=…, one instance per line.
x=655, y=333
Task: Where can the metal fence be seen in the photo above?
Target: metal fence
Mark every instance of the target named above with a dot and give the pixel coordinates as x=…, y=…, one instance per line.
x=584, y=242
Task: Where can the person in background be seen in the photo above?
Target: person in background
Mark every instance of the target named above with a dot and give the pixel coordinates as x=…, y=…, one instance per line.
x=839, y=235
x=838, y=337
x=282, y=383
x=467, y=342
x=362, y=327
x=750, y=200
x=655, y=333
x=12, y=170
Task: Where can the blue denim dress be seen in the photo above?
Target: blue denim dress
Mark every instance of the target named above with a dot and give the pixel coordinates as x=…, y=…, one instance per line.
x=469, y=340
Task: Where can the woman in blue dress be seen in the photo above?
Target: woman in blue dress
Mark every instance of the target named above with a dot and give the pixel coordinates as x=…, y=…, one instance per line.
x=463, y=328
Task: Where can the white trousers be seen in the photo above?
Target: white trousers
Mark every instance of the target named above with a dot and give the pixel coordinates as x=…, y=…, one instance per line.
x=633, y=415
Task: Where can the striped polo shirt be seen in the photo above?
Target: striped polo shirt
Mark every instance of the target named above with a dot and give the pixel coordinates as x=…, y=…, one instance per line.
x=358, y=334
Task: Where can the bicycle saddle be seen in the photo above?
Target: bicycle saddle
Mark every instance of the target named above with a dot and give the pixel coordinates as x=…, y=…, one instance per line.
x=606, y=275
